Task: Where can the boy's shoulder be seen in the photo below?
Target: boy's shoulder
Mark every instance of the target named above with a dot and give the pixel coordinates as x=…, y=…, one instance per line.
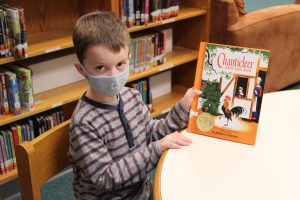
x=81, y=112
x=129, y=93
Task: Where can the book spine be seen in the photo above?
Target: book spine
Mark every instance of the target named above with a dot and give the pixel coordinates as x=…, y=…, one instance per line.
x=12, y=147
x=20, y=136
x=23, y=32
x=2, y=35
x=10, y=165
x=146, y=12
x=131, y=13
x=4, y=105
x=13, y=93
x=8, y=45
x=4, y=167
x=137, y=9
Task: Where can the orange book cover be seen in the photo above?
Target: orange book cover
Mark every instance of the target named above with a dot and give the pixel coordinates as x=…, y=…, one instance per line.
x=232, y=80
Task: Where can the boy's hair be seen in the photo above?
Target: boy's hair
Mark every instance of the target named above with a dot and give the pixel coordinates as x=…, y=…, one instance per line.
x=102, y=28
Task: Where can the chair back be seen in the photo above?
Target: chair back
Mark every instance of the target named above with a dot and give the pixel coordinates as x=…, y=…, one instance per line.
x=42, y=158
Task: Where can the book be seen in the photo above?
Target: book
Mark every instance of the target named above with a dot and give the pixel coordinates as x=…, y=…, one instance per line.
x=12, y=91
x=4, y=97
x=231, y=80
x=24, y=81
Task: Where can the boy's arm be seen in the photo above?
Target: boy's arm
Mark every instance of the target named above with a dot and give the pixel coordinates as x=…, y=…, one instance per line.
x=92, y=157
x=176, y=120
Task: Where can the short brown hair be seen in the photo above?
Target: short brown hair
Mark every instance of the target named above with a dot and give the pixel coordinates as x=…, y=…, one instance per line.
x=102, y=28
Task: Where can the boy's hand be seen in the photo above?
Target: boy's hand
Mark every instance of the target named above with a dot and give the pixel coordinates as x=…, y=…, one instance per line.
x=174, y=141
x=189, y=96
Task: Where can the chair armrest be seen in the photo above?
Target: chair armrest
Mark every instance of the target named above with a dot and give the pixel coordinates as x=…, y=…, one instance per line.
x=264, y=16
x=276, y=29
x=224, y=14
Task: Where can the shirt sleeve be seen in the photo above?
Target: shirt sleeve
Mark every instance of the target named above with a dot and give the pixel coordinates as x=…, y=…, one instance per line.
x=92, y=157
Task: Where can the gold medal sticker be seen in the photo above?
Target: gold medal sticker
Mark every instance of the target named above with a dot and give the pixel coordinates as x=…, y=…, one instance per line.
x=205, y=122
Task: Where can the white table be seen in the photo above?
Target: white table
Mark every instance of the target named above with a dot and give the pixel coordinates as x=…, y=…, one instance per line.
x=214, y=169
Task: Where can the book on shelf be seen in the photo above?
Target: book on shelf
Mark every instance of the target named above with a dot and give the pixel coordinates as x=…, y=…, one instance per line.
x=3, y=95
x=5, y=43
x=24, y=130
x=147, y=50
x=141, y=12
x=232, y=81
x=143, y=87
x=24, y=80
x=13, y=31
x=12, y=91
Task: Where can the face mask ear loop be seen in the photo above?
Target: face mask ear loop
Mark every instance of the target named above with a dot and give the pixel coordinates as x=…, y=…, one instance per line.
x=84, y=69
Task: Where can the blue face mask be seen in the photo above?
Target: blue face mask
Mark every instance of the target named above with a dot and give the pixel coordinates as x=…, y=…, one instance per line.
x=107, y=85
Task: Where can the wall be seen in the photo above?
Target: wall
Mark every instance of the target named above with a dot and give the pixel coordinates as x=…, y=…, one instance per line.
x=251, y=5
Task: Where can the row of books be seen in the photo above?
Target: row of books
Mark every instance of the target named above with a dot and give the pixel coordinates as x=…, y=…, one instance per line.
x=25, y=130
x=12, y=32
x=143, y=86
x=141, y=12
x=16, y=90
x=147, y=50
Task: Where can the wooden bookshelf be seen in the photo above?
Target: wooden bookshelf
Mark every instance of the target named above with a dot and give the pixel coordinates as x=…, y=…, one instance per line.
x=72, y=92
x=9, y=176
x=50, y=41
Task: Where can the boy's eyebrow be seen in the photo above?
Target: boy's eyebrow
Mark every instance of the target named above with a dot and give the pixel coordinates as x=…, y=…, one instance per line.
x=99, y=63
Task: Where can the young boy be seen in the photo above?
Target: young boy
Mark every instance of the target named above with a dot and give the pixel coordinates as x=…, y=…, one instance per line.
x=114, y=142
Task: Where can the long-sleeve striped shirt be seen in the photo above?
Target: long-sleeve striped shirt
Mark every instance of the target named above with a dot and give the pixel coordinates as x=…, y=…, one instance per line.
x=114, y=147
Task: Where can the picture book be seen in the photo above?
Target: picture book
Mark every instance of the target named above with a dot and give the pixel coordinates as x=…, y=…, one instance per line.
x=232, y=83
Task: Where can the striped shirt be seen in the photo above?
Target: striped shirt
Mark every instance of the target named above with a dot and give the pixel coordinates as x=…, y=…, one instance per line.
x=114, y=147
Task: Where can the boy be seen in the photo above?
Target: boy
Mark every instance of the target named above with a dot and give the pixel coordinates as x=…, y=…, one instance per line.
x=114, y=143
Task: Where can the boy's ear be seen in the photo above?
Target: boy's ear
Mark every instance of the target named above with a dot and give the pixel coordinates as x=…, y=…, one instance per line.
x=78, y=68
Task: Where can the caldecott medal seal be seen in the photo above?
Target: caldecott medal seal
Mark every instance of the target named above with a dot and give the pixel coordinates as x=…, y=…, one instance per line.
x=205, y=122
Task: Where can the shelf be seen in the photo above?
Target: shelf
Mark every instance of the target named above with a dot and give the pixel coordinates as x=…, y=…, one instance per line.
x=164, y=103
x=46, y=42
x=184, y=13
x=9, y=176
x=72, y=92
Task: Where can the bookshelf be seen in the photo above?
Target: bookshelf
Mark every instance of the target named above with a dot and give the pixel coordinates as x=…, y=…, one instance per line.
x=49, y=27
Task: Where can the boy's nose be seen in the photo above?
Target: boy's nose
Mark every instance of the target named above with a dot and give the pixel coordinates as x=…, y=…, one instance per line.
x=113, y=71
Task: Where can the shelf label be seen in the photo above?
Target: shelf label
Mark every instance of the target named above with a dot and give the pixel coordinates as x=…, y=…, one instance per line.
x=57, y=104
x=166, y=21
x=166, y=67
x=52, y=49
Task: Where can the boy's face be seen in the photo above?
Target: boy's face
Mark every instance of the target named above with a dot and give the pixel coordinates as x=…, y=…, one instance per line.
x=100, y=61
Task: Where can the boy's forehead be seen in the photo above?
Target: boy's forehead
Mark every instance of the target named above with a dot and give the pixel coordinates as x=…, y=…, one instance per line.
x=101, y=54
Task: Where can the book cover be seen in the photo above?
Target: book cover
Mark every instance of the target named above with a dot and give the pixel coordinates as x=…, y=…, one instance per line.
x=232, y=81
x=4, y=97
x=24, y=82
x=12, y=92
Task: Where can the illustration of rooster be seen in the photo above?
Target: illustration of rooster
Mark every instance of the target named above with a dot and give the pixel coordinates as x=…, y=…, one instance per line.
x=228, y=113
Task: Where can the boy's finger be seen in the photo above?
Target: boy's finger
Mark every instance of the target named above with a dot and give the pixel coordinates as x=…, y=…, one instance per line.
x=175, y=146
x=183, y=142
x=185, y=138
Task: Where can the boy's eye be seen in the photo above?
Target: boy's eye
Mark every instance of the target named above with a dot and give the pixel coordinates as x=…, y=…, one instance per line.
x=121, y=64
x=99, y=68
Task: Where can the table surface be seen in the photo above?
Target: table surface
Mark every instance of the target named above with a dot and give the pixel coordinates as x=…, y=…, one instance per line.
x=214, y=169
